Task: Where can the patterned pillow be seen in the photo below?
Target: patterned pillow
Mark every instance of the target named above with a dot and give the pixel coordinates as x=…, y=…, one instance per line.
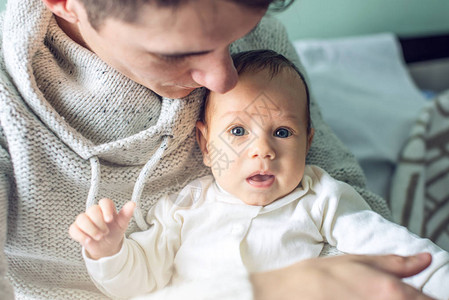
x=420, y=187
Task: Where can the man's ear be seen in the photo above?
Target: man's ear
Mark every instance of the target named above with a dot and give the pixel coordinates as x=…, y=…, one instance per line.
x=310, y=138
x=201, y=138
x=65, y=9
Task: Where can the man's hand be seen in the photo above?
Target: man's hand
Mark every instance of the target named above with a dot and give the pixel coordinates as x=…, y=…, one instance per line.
x=100, y=230
x=343, y=277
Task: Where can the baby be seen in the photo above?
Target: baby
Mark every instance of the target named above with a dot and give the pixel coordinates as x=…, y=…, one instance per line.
x=263, y=208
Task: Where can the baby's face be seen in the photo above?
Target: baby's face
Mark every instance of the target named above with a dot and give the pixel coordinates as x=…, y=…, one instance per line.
x=256, y=140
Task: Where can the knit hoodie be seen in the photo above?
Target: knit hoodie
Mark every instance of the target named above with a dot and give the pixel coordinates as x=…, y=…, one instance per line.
x=74, y=130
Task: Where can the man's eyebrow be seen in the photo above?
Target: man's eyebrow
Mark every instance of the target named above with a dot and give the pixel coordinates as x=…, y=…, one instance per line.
x=194, y=53
x=181, y=54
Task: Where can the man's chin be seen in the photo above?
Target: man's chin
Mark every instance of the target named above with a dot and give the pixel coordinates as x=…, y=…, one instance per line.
x=172, y=91
x=175, y=92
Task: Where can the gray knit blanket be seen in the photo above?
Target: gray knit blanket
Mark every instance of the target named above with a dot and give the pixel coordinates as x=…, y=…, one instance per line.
x=420, y=187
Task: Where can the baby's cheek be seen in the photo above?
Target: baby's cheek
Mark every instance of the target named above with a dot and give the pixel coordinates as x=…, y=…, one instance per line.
x=223, y=170
x=295, y=174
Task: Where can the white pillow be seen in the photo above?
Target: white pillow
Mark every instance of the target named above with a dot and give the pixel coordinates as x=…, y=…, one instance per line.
x=367, y=97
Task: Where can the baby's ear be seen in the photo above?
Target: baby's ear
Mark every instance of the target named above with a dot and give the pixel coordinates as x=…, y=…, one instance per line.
x=310, y=138
x=201, y=138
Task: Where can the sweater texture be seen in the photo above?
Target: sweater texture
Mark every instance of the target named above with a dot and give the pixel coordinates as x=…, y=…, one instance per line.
x=74, y=130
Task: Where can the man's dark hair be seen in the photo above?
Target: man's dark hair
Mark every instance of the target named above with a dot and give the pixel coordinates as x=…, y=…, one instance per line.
x=127, y=10
x=258, y=60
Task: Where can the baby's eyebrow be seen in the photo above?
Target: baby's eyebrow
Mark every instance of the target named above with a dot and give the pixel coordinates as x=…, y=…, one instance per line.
x=244, y=115
x=233, y=112
x=289, y=116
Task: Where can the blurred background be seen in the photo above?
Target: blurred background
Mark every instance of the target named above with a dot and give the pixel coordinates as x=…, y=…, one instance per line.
x=336, y=18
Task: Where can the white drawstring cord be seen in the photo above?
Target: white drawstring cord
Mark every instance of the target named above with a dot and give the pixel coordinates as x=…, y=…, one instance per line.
x=140, y=183
x=94, y=181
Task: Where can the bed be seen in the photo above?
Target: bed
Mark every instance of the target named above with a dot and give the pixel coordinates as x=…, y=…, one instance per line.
x=387, y=99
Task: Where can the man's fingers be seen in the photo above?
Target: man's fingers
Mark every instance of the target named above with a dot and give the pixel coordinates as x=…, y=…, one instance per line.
x=108, y=209
x=390, y=286
x=125, y=215
x=413, y=294
x=401, y=266
x=417, y=263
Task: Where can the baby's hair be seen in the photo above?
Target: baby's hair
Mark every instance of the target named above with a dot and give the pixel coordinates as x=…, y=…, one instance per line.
x=258, y=60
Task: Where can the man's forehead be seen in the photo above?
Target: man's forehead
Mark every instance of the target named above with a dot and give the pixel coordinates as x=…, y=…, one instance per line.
x=194, y=28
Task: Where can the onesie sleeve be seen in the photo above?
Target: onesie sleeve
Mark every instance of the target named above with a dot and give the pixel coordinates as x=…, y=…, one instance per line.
x=351, y=226
x=145, y=262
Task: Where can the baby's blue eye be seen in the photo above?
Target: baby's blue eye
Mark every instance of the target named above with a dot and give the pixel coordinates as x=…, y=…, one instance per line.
x=238, y=131
x=282, y=133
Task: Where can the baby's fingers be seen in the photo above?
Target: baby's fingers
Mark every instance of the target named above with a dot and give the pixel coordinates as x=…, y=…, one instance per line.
x=85, y=224
x=96, y=216
x=125, y=215
x=78, y=235
x=108, y=209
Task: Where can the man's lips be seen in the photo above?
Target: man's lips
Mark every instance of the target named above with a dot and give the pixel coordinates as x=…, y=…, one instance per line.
x=189, y=87
x=260, y=179
x=184, y=86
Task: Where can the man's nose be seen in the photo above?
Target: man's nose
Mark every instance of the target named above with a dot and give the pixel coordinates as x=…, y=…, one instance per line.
x=261, y=148
x=216, y=72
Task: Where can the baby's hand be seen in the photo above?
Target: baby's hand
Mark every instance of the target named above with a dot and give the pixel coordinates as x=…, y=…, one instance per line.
x=100, y=230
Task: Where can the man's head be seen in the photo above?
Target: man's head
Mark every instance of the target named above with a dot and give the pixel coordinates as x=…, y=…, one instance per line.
x=171, y=47
x=256, y=137
x=127, y=10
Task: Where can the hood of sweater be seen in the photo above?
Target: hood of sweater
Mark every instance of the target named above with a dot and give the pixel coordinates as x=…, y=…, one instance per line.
x=94, y=109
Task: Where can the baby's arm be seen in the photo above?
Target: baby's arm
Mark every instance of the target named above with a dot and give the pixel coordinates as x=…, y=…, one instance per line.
x=101, y=230
x=126, y=267
x=353, y=228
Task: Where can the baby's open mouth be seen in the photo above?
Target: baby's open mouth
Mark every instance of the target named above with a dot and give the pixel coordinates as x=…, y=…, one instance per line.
x=261, y=180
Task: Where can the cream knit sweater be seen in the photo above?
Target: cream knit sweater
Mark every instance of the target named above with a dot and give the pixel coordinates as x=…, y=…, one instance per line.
x=74, y=130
